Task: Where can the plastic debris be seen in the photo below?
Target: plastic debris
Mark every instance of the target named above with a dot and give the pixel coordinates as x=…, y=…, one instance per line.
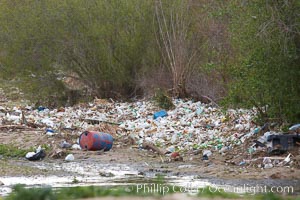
x=70, y=157
x=251, y=150
x=161, y=113
x=242, y=163
x=295, y=127
x=65, y=144
x=50, y=132
x=38, y=155
x=256, y=130
x=41, y=108
x=224, y=149
x=199, y=111
x=106, y=174
x=204, y=157
x=170, y=149
x=188, y=127
x=267, y=160
x=268, y=166
x=208, y=153
x=76, y=147
x=285, y=161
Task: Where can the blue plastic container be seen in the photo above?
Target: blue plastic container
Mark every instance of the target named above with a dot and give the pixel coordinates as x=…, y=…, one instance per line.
x=161, y=113
x=41, y=108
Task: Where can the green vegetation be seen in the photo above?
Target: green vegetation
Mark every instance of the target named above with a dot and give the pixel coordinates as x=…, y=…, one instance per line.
x=163, y=100
x=272, y=196
x=91, y=191
x=9, y=150
x=22, y=193
x=242, y=53
x=266, y=74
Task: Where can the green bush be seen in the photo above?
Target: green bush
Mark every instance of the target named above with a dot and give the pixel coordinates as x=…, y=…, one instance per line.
x=266, y=70
x=163, y=100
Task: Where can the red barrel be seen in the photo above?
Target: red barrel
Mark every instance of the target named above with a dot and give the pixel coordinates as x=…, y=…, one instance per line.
x=94, y=141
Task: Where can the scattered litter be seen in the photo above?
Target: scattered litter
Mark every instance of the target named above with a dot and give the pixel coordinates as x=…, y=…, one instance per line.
x=295, y=127
x=285, y=161
x=76, y=147
x=65, y=145
x=242, y=163
x=207, y=153
x=106, y=174
x=170, y=149
x=175, y=156
x=268, y=166
x=70, y=157
x=38, y=155
x=205, y=157
x=41, y=108
x=161, y=113
x=189, y=128
x=50, y=132
x=267, y=160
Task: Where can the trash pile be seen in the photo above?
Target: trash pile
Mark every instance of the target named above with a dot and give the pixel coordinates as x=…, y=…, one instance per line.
x=190, y=127
x=274, y=144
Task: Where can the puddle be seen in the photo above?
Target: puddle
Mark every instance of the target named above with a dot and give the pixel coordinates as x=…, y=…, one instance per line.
x=88, y=173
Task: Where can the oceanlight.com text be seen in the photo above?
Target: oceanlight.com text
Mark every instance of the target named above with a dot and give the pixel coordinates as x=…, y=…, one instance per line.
x=193, y=188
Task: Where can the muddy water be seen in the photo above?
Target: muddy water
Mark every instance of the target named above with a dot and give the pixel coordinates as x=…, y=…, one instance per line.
x=84, y=173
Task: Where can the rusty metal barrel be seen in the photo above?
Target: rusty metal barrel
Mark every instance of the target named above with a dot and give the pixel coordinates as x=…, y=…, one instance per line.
x=94, y=141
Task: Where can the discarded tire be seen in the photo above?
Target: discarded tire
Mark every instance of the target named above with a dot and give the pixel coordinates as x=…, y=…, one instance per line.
x=94, y=141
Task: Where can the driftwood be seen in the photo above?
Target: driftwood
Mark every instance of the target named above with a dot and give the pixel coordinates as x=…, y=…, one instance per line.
x=147, y=145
